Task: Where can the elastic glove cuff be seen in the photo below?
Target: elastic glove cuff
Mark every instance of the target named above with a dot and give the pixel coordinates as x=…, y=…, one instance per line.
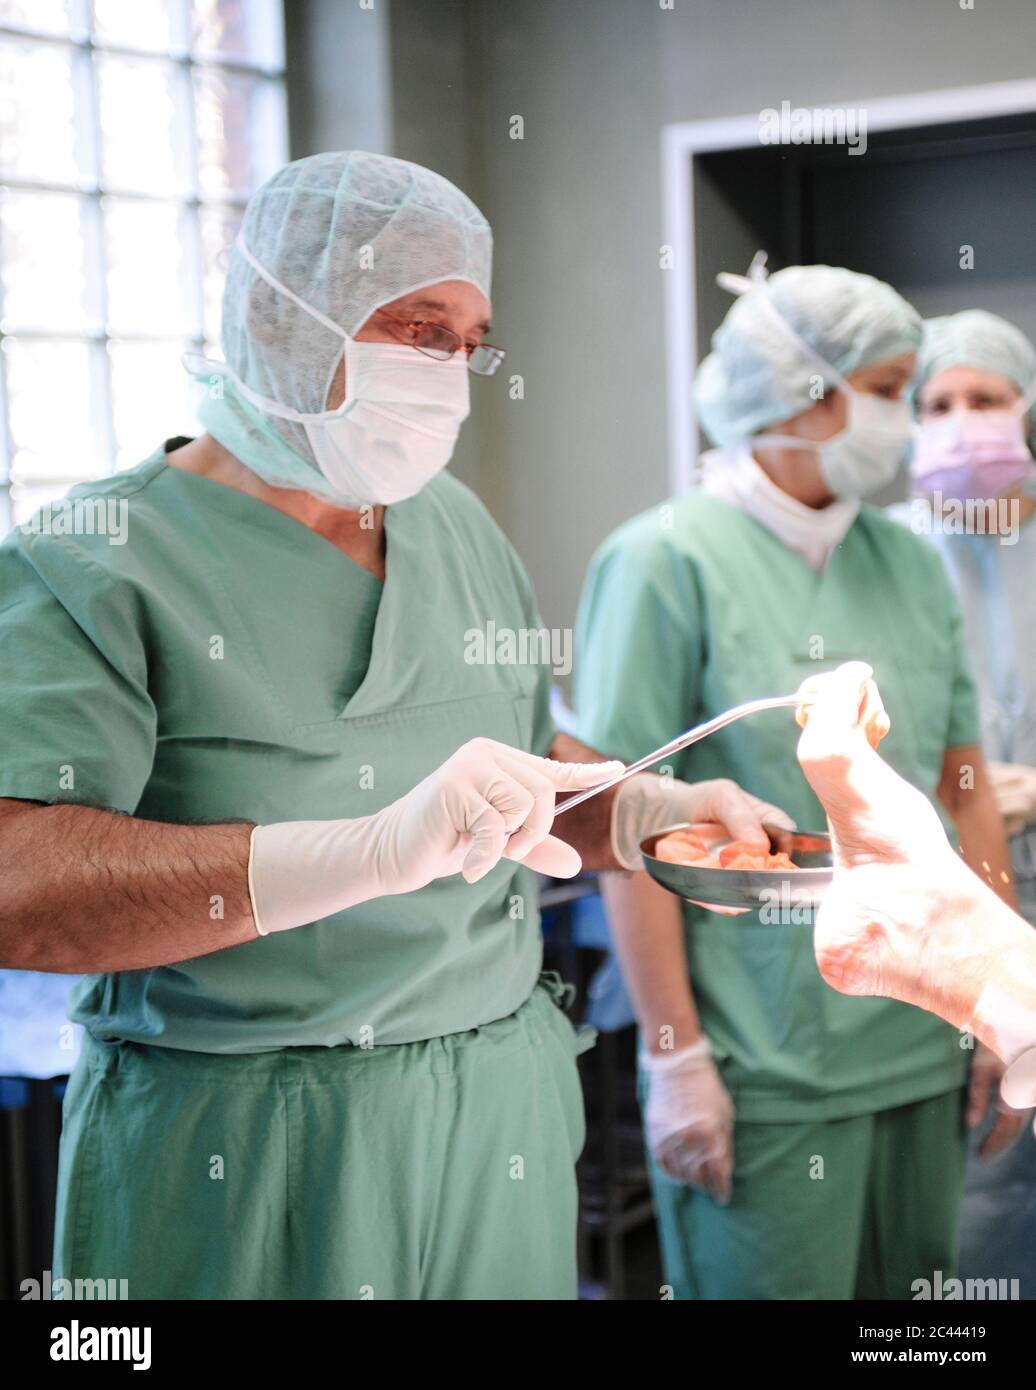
x=1014, y=1025
x=640, y=807
x=252, y=895
x=1007, y=1015
x=303, y=871
x=690, y=1058
x=1018, y=1083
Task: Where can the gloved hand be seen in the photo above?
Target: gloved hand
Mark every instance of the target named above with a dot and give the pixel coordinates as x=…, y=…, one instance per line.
x=890, y=850
x=485, y=803
x=1014, y=787
x=987, y=1070
x=689, y=1119
x=904, y=916
x=648, y=802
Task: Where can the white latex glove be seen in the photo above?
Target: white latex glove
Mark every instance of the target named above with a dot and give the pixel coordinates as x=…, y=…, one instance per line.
x=890, y=850
x=1014, y=787
x=649, y=802
x=689, y=1119
x=904, y=917
x=486, y=803
x=987, y=1072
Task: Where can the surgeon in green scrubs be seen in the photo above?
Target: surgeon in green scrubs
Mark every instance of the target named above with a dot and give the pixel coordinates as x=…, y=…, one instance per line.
x=804, y=1144
x=256, y=785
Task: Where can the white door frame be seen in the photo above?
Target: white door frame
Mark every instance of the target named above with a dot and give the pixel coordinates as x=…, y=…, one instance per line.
x=683, y=141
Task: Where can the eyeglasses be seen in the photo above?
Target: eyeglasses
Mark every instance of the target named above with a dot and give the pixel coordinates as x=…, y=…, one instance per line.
x=442, y=343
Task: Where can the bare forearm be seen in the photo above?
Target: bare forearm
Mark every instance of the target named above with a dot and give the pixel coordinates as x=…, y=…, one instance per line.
x=647, y=929
x=83, y=890
x=587, y=828
x=983, y=844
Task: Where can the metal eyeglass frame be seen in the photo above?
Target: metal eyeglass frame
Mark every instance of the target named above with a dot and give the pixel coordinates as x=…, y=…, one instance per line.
x=496, y=354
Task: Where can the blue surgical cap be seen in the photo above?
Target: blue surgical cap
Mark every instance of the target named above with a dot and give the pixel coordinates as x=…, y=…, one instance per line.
x=758, y=374
x=975, y=338
x=347, y=232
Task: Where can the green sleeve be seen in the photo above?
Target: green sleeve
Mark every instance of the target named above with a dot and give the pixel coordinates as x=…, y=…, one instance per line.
x=638, y=647
x=76, y=721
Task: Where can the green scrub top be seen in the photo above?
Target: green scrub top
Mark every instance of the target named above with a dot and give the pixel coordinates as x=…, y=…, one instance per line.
x=694, y=607
x=228, y=663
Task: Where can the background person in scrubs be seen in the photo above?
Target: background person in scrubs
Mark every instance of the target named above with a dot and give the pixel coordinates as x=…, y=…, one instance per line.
x=283, y=814
x=803, y=1145
x=973, y=399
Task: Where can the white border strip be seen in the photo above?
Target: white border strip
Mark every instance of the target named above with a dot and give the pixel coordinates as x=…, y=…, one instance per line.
x=683, y=140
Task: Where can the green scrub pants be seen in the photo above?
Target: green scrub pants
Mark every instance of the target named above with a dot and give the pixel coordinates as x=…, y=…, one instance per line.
x=833, y=1209
x=441, y=1169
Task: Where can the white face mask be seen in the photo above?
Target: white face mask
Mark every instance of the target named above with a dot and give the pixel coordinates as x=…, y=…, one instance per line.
x=866, y=455
x=398, y=424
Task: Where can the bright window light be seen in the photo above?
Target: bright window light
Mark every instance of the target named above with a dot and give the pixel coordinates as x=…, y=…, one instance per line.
x=132, y=133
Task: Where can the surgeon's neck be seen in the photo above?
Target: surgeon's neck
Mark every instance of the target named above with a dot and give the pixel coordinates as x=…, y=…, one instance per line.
x=796, y=472
x=361, y=535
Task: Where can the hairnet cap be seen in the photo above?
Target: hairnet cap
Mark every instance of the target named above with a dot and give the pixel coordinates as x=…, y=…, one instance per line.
x=757, y=374
x=975, y=338
x=347, y=232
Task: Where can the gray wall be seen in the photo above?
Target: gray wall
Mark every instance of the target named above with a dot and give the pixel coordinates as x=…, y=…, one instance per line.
x=576, y=204
x=339, y=90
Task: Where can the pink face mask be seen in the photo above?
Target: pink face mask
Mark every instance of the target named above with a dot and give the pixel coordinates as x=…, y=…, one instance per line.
x=971, y=455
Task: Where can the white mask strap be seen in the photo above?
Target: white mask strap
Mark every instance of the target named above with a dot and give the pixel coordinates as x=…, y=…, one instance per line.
x=756, y=281
x=830, y=370
x=791, y=440
x=207, y=367
x=260, y=270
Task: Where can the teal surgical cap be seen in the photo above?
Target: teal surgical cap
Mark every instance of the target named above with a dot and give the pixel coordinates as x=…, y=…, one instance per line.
x=758, y=374
x=974, y=338
x=346, y=232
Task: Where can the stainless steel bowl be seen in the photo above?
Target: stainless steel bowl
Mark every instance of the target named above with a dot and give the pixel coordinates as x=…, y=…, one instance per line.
x=745, y=889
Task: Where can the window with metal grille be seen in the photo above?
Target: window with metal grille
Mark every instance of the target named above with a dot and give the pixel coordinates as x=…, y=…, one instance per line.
x=131, y=135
